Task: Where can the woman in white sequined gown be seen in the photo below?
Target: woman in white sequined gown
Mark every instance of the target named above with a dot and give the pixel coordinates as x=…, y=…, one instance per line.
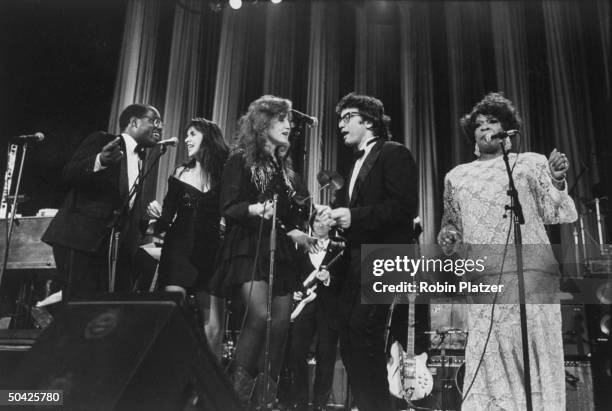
x=474, y=198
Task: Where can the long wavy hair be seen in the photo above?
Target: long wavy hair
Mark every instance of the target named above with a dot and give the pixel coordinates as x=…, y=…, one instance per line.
x=213, y=151
x=252, y=134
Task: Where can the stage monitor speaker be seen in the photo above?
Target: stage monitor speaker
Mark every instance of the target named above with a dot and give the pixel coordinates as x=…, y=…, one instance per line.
x=125, y=355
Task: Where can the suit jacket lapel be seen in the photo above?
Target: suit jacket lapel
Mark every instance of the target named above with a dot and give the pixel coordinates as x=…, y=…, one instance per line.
x=365, y=169
x=330, y=253
x=123, y=175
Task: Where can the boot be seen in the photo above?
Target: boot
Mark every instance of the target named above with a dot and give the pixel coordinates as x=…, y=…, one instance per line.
x=270, y=395
x=243, y=384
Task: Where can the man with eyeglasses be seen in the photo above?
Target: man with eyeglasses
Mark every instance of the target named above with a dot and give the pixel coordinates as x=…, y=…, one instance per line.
x=100, y=175
x=377, y=206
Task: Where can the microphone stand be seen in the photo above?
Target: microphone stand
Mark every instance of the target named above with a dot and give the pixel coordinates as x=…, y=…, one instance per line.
x=266, y=371
x=120, y=217
x=11, y=220
x=519, y=219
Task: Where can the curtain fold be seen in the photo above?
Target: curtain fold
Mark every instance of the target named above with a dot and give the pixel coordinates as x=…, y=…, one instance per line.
x=571, y=125
x=510, y=45
x=233, y=50
x=417, y=92
x=183, y=84
x=465, y=71
x=604, y=14
x=135, y=73
x=279, y=67
x=322, y=94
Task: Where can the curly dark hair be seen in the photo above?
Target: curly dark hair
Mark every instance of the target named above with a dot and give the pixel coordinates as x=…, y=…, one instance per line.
x=370, y=108
x=253, y=129
x=213, y=151
x=493, y=104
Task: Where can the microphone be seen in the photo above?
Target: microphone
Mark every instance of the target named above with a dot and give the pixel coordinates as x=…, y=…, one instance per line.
x=28, y=138
x=310, y=120
x=504, y=134
x=169, y=142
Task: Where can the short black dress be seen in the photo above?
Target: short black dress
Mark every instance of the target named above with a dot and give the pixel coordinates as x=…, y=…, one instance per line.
x=190, y=219
x=237, y=262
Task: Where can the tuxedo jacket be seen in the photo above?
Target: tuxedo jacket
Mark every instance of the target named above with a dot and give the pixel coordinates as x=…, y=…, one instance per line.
x=336, y=270
x=82, y=222
x=385, y=197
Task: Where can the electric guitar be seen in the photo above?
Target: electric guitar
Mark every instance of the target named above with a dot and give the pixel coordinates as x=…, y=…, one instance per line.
x=408, y=375
x=310, y=285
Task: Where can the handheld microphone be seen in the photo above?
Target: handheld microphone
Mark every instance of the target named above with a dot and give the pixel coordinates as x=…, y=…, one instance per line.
x=311, y=121
x=504, y=134
x=169, y=142
x=28, y=138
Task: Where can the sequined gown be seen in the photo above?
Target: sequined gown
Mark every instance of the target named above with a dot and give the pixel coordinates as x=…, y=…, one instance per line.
x=474, y=200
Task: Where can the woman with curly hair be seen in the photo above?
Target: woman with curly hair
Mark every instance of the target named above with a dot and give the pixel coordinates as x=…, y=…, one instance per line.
x=256, y=170
x=189, y=221
x=475, y=196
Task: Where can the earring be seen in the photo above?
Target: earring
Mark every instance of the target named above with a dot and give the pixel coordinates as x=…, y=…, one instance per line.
x=476, y=150
x=507, y=144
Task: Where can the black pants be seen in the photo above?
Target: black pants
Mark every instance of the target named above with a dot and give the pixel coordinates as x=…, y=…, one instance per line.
x=362, y=344
x=86, y=274
x=318, y=317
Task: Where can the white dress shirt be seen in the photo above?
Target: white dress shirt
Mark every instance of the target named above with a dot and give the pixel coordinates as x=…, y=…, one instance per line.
x=317, y=258
x=133, y=161
x=366, y=147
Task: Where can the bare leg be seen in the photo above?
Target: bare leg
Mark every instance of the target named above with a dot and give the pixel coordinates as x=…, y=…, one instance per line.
x=214, y=322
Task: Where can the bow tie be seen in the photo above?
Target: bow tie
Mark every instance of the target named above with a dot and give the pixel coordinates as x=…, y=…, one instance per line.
x=358, y=154
x=141, y=152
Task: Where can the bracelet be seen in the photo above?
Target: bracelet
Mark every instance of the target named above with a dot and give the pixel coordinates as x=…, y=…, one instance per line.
x=558, y=181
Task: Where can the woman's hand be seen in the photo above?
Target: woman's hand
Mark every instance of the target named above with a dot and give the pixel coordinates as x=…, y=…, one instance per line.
x=263, y=210
x=154, y=209
x=449, y=239
x=558, y=165
x=304, y=241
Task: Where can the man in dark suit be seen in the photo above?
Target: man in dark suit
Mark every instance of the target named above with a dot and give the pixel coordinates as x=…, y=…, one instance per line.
x=376, y=207
x=100, y=174
x=318, y=317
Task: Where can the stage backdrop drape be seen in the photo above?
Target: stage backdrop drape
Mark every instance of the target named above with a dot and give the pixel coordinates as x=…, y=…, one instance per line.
x=510, y=45
x=135, y=73
x=230, y=70
x=465, y=73
x=183, y=83
x=429, y=62
x=419, y=112
x=322, y=94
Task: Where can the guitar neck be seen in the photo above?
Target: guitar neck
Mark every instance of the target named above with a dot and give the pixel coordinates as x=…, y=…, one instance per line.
x=410, y=339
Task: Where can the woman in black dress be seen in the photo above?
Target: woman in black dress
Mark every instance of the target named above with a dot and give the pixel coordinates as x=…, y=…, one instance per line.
x=256, y=170
x=190, y=219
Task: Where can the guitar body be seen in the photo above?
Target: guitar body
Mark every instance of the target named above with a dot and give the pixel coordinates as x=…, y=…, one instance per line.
x=418, y=381
x=394, y=370
x=410, y=380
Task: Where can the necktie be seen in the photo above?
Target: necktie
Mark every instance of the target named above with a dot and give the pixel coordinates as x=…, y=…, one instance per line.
x=142, y=153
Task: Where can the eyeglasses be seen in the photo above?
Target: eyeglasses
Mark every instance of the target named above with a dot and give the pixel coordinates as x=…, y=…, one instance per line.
x=347, y=117
x=157, y=122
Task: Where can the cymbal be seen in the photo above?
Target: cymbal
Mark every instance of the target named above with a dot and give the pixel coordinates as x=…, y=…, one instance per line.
x=331, y=178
